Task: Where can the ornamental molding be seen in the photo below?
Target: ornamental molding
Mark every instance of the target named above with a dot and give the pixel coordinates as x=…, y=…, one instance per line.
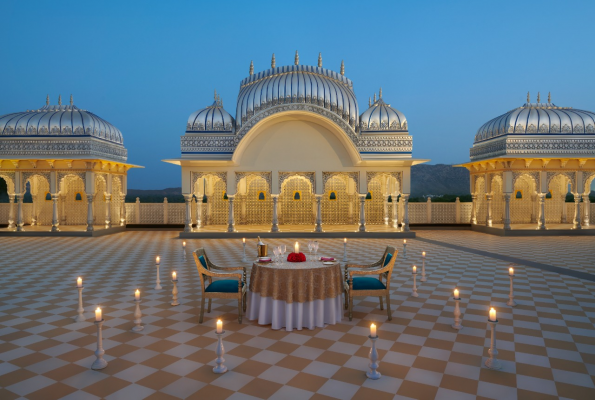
x=309, y=176
x=535, y=175
x=586, y=176
x=58, y=148
x=9, y=178
x=76, y=174
x=266, y=175
x=195, y=176
x=571, y=175
x=328, y=175
x=542, y=146
x=373, y=174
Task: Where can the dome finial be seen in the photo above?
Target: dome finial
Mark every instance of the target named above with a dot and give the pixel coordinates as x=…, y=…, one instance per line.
x=59, y=99
x=215, y=96
x=320, y=60
x=342, y=67
x=374, y=98
x=528, y=98
x=380, y=94
x=297, y=58
x=549, y=97
x=273, y=61
x=369, y=102
x=251, y=67
x=71, y=100
x=47, y=100
x=538, y=97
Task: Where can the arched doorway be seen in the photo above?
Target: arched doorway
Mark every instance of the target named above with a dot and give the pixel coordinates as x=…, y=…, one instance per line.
x=253, y=203
x=211, y=191
x=297, y=205
x=555, y=200
x=340, y=201
x=497, y=200
x=73, y=201
x=383, y=191
x=522, y=207
x=40, y=212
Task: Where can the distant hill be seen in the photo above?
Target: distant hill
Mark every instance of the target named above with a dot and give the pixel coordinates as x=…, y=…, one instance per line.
x=439, y=179
x=157, y=192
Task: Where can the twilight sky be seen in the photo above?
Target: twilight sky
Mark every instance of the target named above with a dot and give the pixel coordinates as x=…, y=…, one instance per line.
x=146, y=66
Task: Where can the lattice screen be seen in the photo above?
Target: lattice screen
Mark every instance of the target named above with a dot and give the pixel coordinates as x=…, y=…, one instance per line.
x=444, y=213
x=300, y=212
x=117, y=198
x=417, y=213
x=497, y=201
x=5, y=212
x=480, y=202
x=99, y=205
x=466, y=212
x=41, y=208
x=248, y=208
x=344, y=210
x=72, y=211
x=176, y=213
x=375, y=206
x=522, y=209
x=553, y=206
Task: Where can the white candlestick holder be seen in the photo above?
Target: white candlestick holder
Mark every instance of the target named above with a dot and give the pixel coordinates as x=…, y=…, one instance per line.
x=414, y=292
x=99, y=363
x=244, y=256
x=374, y=363
x=157, y=280
x=457, y=325
x=80, y=317
x=423, y=269
x=492, y=362
x=511, y=301
x=174, y=293
x=345, y=252
x=220, y=368
x=137, y=317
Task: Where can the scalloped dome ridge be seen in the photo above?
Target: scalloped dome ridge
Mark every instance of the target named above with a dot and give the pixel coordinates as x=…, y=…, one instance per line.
x=382, y=117
x=211, y=119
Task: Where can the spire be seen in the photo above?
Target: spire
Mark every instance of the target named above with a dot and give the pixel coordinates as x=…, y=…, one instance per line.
x=549, y=97
x=71, y=101
x=215, y=96
x=374, y=98
x=538, y=97
x=369, y=102
x=380, y=94
x=47, y=100
x=528, y=98
x=251, y=68
x=297, y=58
x=320, y=60
x=273, y=62
x=60, y=100
x=342, y=67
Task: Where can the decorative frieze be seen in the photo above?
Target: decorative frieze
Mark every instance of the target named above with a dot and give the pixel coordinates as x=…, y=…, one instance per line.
x=533, y=146
x=75, y=148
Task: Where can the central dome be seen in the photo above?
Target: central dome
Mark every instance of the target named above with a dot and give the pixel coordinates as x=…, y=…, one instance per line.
x=297, y=84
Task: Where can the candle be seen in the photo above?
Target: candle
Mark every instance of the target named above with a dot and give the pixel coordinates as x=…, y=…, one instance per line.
x=137, y=295
x=423, y=254
x=492, y=314
x=345, y=240
x=243, y=240
x=456, y=293
x=219, y=326
x=511, y=271
x=79, y=282
x=404, y=241
x=414, y=269
x=184, y=244
x=98, y=314
x=174, y=275
x=296, y=248
x=373, y=330
x=157, y=260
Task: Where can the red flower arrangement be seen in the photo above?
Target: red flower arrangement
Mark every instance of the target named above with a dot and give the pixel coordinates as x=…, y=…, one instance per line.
x=296, y=257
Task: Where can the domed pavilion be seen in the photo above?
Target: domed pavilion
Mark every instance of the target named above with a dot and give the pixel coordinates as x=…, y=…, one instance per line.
x=297, y=156
x=524, y=163
x=72, y=163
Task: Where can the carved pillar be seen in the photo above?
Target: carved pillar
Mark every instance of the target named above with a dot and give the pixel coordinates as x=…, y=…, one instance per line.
x=395, y=211
x=474, y=209
x=318, y=227
x=405, y=198
x=123, y=211
x=230, y=217
x=20, y=221
x=11, y=198
x=587, y=209
x=489, y=209
x=506, y=221
x=533, y=213
x=188, y=216
x=577, y=212
x=541, y=223
x=564, y=217
x=90, y=212
x=386, y=209
x=199, y=213
x=33, y=208
x=275, y=225
x=108, y=210
x=55, y=220
x=362, y=212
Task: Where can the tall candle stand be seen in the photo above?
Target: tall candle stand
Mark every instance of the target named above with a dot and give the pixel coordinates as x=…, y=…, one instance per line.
x=457, y=325
x=511, y=301
x=374, y=363
x=423, y=267
x=405, y=249
x=174, y=293
x=414, y=292
x=220, y=368
x=492, y=362
x=244, y=256
x=157, y=280
x=99, y=363
x=137, y=317
x=80, y=317
x=345, y=252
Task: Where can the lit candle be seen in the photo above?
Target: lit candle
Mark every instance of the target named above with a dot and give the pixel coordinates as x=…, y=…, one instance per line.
x=243, y=240
x=296, y=248
x=137, y=295
x=423, y=254
x=492, y=314
x=174, y=275
x=79, y=282
x=184, y=244
x=98, y=314
x=414, y=269
x=404, y=241
x=345, y=240
x=373, y=330
x=511, y=271
x=157, y=260
x=219, y=326
x=456, y=293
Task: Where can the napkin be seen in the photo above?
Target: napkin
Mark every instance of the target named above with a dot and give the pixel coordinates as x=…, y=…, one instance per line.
x=327, y=258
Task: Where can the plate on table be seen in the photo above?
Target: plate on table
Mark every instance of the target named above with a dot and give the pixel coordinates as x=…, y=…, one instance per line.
x=328, y=263
x=327, y=259
x=264, y=259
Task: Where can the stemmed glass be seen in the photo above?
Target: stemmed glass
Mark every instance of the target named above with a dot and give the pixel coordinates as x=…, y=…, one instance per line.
x=310, y=245
x=276, y=253
x=315, y=246
x=283, y=249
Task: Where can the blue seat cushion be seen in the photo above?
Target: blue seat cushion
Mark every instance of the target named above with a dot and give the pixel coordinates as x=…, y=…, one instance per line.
x=387, y=259
x=367, y=284
x=224, y=286
x=203, y=262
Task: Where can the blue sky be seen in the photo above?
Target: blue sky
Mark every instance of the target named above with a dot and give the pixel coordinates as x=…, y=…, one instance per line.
x=146, y=66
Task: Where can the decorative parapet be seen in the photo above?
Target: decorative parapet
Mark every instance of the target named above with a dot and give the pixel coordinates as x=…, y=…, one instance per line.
x=533, y=146
x=73, y=148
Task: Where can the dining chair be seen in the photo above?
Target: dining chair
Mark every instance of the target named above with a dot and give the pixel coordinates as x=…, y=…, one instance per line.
x=233, y=285
x=359, y=283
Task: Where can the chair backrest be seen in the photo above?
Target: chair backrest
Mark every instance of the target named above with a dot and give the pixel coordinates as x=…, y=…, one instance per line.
x=391, y=263
x=386, y=251
x=202, y=271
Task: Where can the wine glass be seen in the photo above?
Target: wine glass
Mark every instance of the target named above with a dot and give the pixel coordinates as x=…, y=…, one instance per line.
x=315, y=249
x=276, y=253
x=310, y=244
x=283, y=249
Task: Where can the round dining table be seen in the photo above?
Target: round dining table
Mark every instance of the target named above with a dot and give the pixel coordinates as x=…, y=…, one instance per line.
x=295, y=295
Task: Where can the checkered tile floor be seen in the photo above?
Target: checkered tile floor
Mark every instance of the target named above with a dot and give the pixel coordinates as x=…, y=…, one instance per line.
x=546, y=344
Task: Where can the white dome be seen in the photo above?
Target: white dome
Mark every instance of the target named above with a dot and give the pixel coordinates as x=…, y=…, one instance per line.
x=382, y=117
x=211, y=119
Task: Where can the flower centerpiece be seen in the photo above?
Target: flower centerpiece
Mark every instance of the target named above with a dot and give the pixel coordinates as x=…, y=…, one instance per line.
x=296, y=256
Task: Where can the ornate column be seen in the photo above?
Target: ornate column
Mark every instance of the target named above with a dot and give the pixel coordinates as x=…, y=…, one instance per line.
x=474, y=209
x=123, y=211
x=275, y=222
x=541, y=223
x=33, y=209
x=230, y=217
x=577, y=212
x=108, y=210
x=405, y=198
x=199, y=213
x=20, y=221
x=489, y=209
x=318, y=227
x=395, y=211
x=506, y=221
x=587, y=209
x=386, y=209
x=11, y=224
x=362, y=212
x=533, y=213
x=55, y=220
x=90, y=212
x=564, y=217
x=188, y=216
